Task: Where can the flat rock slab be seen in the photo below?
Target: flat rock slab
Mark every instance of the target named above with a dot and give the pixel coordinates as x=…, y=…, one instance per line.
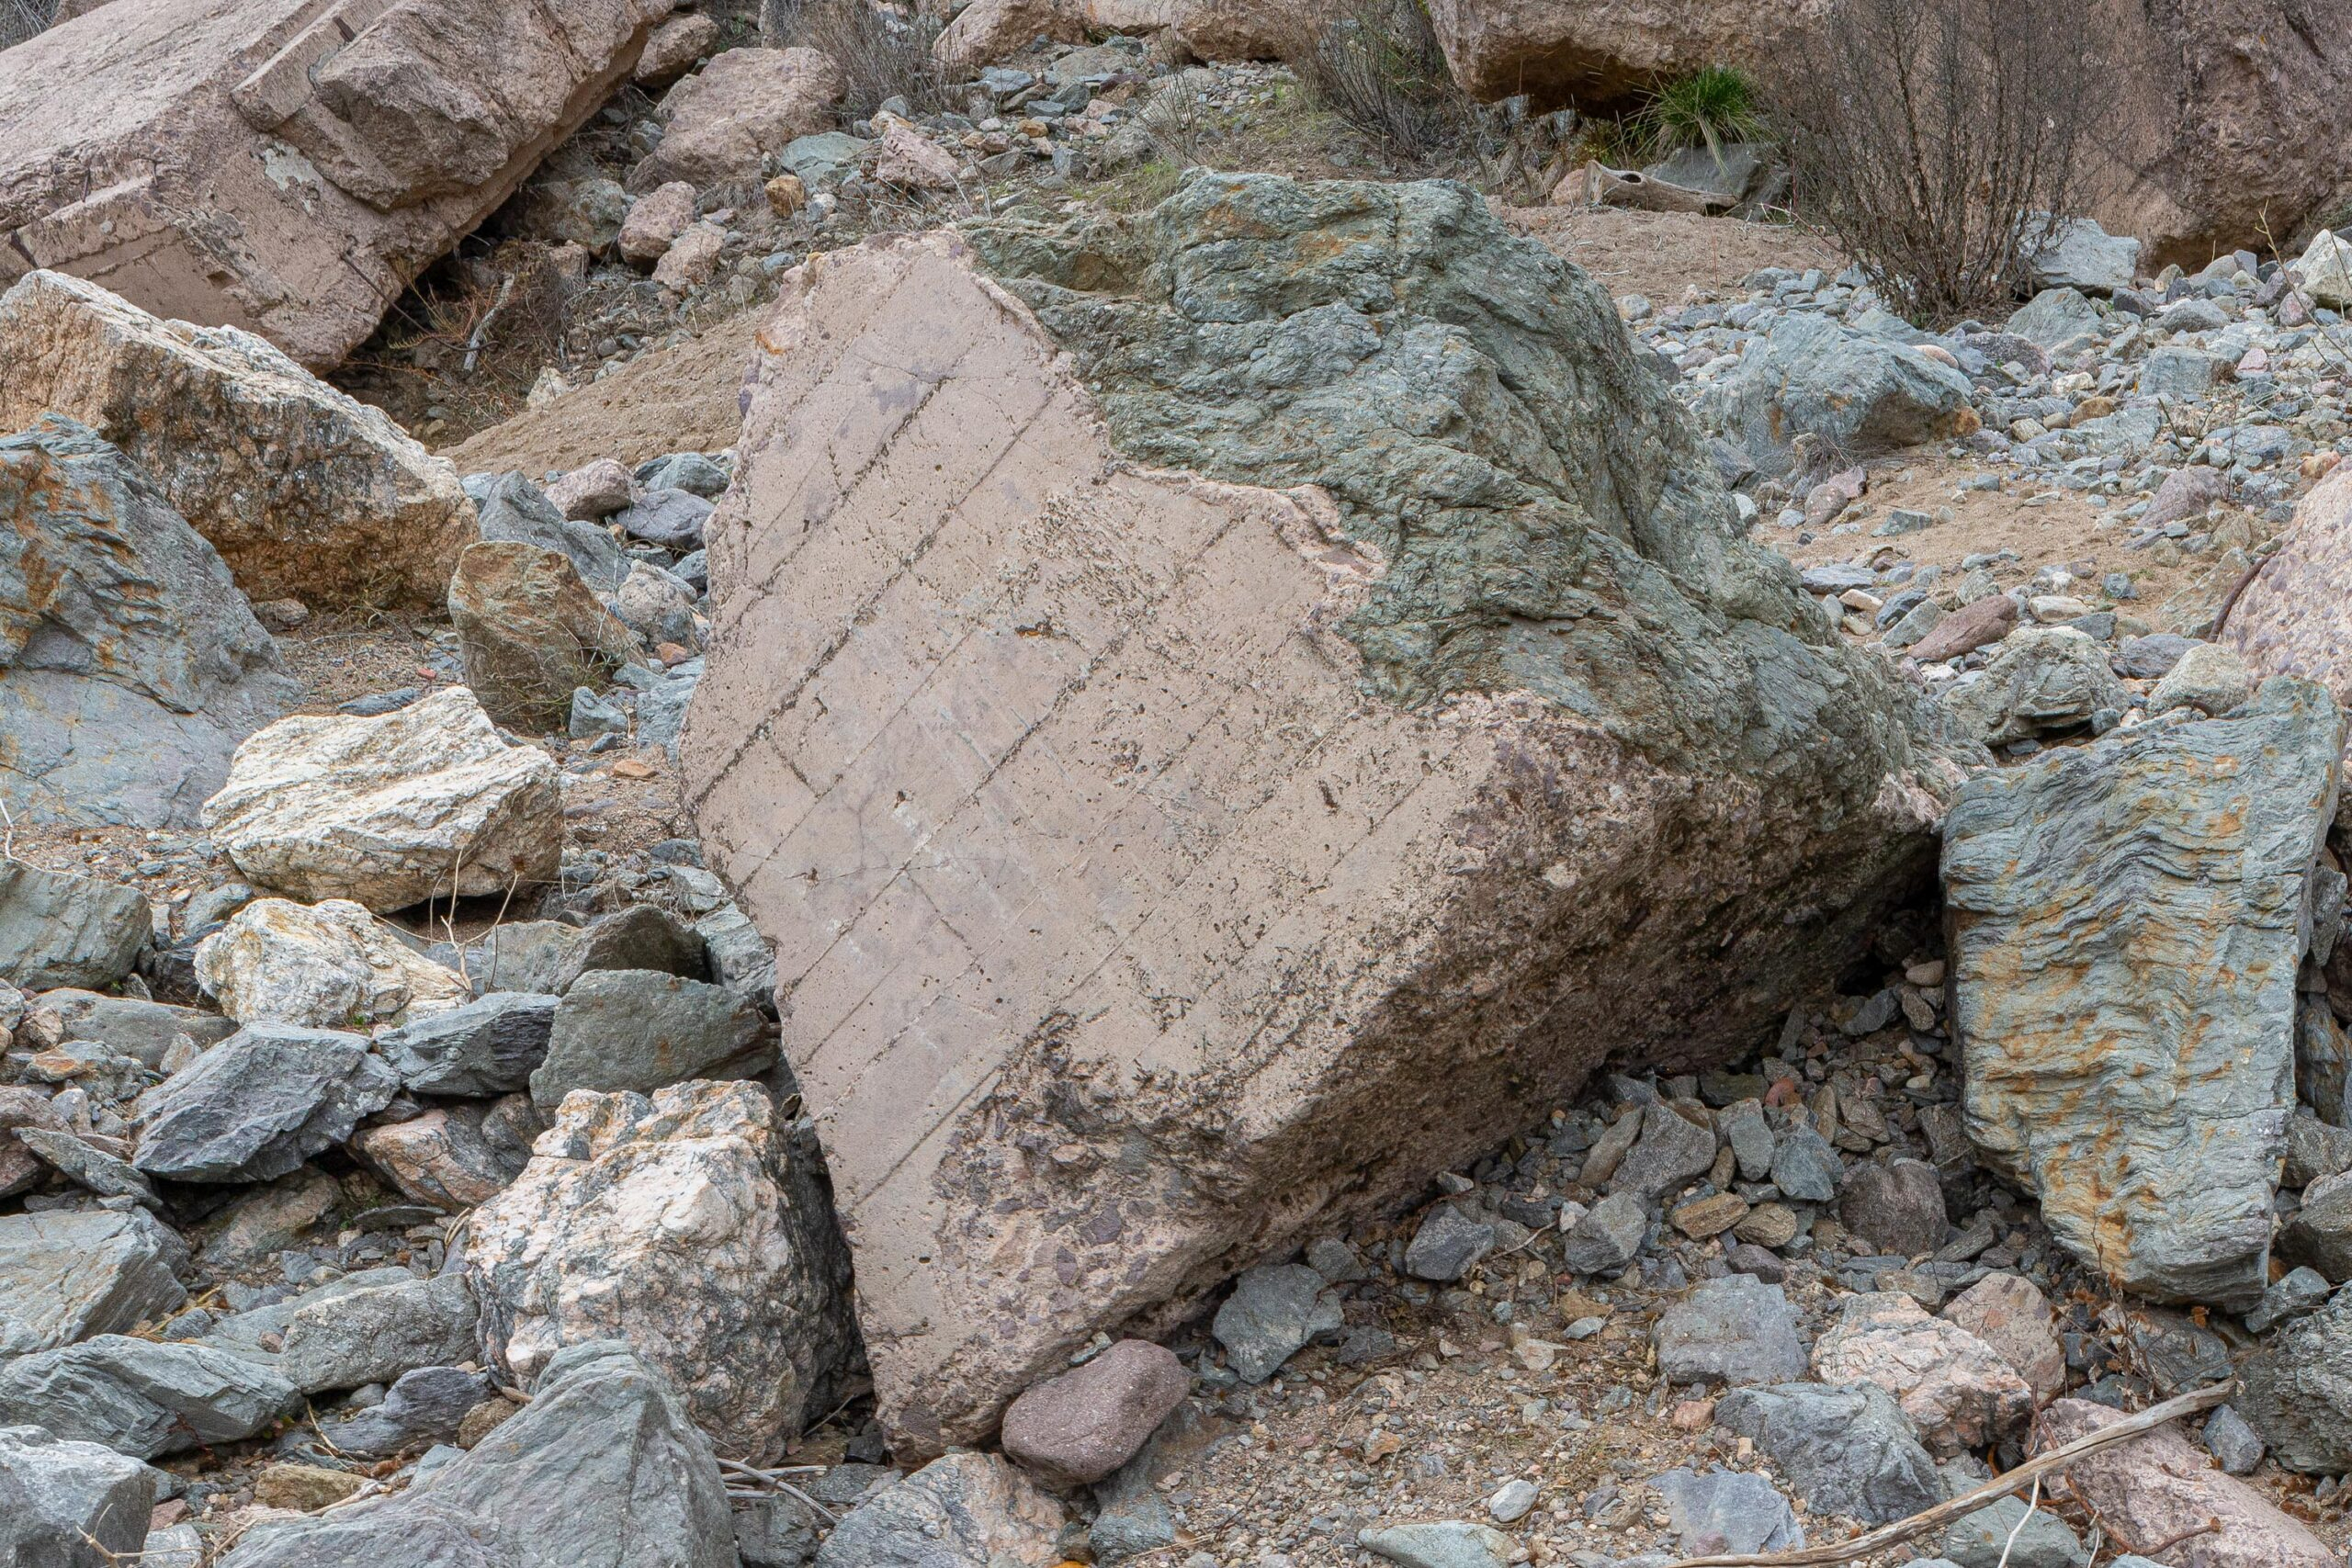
x=1130, y=855
x=2161, y=1487
x=141, y=1398
x=2125, y=922
x=130, y=667
x=288, y=167
x=69, y=1275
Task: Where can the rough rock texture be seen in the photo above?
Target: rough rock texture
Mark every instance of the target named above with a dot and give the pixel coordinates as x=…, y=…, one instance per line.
x=639, y=1030
x=1058, y=654
x=306, y=492
x=2042, y=680
x=129, y=665
x=260, y=1103
x=967, y=1510
x=64, y=1277
x=2009, y=1313
x=389, y=811
x=487, y=1046
x=375, y=1336
x=2298, y=1391
x=694, y=1224
x=602, y=1469
x=2295, y=617
x=1737, y=1330
x=321, y=965
x=1083, y=1425
x=2125, y=922
x=724, y=119
x=61, y=929
x=1848, y=1450
x=453, y=1156
x=513, y=508
x=66, y=1505
x=140, y=1397
x=531, y=633
x=1597, y=54
x=1956, y=1387
x=288, y=167
x=2160, y=1487
x=1863, y=393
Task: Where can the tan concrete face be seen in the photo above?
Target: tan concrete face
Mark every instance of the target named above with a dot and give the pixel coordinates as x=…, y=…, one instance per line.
x=286, y=166
x=1121, y=938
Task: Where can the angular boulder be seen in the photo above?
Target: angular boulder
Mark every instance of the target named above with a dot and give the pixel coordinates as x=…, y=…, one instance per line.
x=487, y=1046
x=696, y=1226
x=1848, y=1450
x=320, y=964
x=58, y=930
x=67, y=1276
x=1863, y=393
x=2125, y=922
x=723, y=121
x=260, y=1103
x=137, y=1397
x=453, y=1156
x=377, y=1334
x=286, y=166
x=640, y=1029
x=390, y=811
x=69, y=1505
x=2298, y=1391
x=513, y=509
x=604, y=1469
x=965, y=1510
x=130, y=664
x=305, y=491
x=1957, y=1388
x=1002, y=810
x=531, y=633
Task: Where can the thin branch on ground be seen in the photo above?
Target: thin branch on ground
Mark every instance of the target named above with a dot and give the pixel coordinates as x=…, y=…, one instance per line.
x=1982, y=1497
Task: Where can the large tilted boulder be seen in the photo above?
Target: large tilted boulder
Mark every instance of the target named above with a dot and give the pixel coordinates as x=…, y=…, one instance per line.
x=696, y=1225
x=604, y=1469
x=2126, y=921
x=326, y=966
x=288, y=167
x=69, y=1505
x=723, y=121
x=1130, y=948
x=64, y=1277
x=305, y=491
x=130, y=664
x=390, y=811
x=531, y=633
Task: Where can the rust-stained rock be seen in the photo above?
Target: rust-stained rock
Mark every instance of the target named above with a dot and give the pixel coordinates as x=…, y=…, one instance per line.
x=129, y=665
x=2163, y=1487
x=530, y=632
x=306, y=492
x=288, y=167
x=2295, y=616
x=2125, y=923
x=1139, y=844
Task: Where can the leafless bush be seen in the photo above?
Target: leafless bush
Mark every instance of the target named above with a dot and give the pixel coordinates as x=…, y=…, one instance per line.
x=1379, y=68
x=1936, y=141
x=20, y=20
x=881, y=53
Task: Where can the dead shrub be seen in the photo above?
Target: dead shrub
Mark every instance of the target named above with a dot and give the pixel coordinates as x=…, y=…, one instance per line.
x=20, y=20
x=1933, y=140
x=1379, y=68
x=882, y=54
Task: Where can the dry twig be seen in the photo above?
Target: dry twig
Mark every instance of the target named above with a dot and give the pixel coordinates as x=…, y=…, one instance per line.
x=1983, y=1496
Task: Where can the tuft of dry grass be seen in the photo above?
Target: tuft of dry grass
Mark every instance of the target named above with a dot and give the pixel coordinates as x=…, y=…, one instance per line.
x=882, y=55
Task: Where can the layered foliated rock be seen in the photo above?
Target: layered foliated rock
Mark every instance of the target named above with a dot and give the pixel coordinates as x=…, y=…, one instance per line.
x=1328, y=551
x=2126, y=922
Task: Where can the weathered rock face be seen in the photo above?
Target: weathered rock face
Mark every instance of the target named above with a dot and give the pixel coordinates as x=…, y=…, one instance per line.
x=130, y=664
x=696, y=1225
x=2295, y=617
x=59, y=930
x=2163, y=1486
x=747, y=102
x=260, y=1103
x=967, y=1510
x=2125, y=922
x=288, y=167
x=306, y=492
x=73, y=1504
x=64, y=1277
x=603, y=1467
x=1600, y=54
x=531, y=633
x=321, y=964
x=1144, y=732
x=388, y=812
x=138, y=1397
x=1863, y=394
